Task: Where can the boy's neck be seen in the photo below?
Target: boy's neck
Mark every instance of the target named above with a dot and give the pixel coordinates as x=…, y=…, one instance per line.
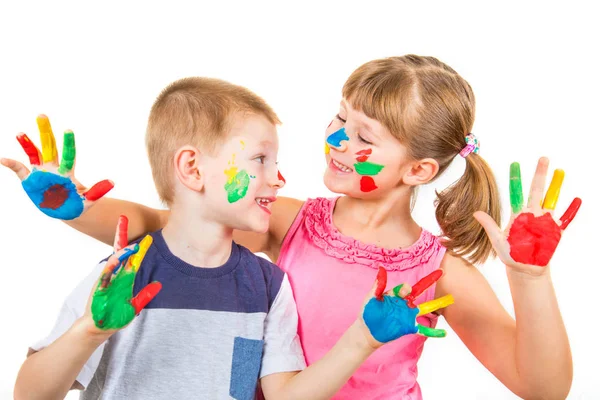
x=197, y=241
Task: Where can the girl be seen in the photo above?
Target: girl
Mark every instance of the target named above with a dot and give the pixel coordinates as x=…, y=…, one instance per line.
x=401, y=122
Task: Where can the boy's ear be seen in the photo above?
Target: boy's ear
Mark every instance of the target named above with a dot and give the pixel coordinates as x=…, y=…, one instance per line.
x=188, y=167
x=420, y=172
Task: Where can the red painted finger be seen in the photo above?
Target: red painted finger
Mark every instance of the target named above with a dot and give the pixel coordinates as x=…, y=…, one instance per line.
x=99, y=190
x=145, y=296
x=30, y=149
x=381, y=283
x=422, y=285
x=121, y=235
x=568, y=216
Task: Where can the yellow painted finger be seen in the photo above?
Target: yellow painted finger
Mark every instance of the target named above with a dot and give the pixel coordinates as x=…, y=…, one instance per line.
x=49, y=152
x=554, y=190
x=135, y=261
x=434, y=305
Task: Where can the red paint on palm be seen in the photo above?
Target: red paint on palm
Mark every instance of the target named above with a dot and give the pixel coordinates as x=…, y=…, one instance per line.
x=145, y=296
x=568, y=216
x=367, y=184
x=422, y=285
x=381, y=283
x=54, y=197
x=99, y=190
x=533, y=239
x=30, y=149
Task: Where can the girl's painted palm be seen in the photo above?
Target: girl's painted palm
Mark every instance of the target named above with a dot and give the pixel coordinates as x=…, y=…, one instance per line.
x=390, y=316
x=532, y=235
x=52, y=186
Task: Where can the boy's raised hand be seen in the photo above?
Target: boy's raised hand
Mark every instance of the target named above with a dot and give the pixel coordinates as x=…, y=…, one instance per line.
x=52, y=185
x=393, y=314
x=532, y=235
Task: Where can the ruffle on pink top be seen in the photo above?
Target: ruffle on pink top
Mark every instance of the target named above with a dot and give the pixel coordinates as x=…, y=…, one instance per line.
x=319, y=226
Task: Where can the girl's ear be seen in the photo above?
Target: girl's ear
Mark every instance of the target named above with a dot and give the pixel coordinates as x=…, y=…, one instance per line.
x=420, y=172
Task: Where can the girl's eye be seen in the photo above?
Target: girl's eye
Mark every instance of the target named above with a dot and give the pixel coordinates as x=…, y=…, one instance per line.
x=340, y=118
x=261, y=159
x=363, y=140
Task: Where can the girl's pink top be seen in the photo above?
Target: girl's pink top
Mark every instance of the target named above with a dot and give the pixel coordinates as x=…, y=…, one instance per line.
x=331, y=274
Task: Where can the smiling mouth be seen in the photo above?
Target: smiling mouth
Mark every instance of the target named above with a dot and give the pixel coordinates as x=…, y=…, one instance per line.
x=265, y=203
x=341, y=167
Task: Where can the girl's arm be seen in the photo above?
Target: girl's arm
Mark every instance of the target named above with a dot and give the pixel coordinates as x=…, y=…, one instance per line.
x=530, y=356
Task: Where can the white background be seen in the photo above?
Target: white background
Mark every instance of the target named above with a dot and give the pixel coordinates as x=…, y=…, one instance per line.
x=97, y=68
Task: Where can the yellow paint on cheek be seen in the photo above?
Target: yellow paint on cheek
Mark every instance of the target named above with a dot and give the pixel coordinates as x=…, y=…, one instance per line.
x=243, y=144
x=231, y=173
x=326, y=148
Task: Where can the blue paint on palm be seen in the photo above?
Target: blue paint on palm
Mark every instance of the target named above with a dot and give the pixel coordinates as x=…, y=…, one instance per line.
x=390, y=319
x=55, y=195
x=336, y=137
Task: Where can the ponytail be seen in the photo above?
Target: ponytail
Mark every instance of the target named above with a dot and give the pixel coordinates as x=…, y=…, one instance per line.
x=476, y=190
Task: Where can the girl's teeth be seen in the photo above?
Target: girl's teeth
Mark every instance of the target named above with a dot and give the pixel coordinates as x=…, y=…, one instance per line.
x=341, y=166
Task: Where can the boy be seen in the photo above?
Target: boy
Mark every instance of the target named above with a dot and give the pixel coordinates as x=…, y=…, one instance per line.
x=224, y=318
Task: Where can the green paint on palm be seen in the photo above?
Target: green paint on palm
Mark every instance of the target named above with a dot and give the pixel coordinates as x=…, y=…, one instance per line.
x=111, y=306
x=68, y=153
x=516, y=188
x=237, y=186
x=367, y=168
x=431, y=332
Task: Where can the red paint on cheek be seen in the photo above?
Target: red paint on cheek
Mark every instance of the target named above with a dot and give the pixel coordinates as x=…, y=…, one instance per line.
x=533, y=239
x=367, y=184
x=280, y=177
x=54, y=197
x=363, y=155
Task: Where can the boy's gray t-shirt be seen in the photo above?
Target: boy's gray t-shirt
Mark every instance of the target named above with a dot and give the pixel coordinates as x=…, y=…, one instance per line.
x=210, y=333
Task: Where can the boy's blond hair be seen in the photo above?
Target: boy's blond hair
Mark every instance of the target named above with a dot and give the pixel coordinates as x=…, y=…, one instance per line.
x=194, y=111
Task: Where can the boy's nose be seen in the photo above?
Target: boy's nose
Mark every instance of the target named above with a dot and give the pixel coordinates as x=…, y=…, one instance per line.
x=338, y=140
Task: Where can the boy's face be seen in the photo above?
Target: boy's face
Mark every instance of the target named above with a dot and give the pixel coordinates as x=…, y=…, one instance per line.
x=242, y=178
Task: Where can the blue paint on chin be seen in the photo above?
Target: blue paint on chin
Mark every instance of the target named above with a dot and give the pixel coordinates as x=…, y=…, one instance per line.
x=390, y=319
x=336, y=137
x=38, y=182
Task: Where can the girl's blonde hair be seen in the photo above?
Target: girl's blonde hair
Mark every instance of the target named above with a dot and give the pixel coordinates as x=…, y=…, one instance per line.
x=430, y=109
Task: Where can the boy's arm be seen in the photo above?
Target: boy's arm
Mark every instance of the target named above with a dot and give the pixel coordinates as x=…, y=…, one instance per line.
x=52, y=372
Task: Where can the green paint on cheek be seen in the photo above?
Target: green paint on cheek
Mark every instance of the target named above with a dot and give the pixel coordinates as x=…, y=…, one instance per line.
x=516, y=188
x=367, y=168
x=111, y=306
x=237, y=186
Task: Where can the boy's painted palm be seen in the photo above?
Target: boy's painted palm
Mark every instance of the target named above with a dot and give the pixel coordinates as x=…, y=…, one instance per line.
x=390, y=316
x=113, y=305
x=532, y=235
x=52, y=186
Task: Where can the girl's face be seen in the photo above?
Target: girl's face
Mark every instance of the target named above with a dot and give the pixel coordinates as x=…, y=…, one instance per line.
x=363, y=159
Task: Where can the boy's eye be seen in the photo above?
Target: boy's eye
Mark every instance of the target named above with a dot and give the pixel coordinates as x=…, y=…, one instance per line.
x=363, y=140
x=340, y=118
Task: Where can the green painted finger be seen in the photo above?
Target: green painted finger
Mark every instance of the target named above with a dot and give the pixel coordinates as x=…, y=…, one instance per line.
x=68, y=153
x=430, y=332
x=516, y=188
x=397, y=290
